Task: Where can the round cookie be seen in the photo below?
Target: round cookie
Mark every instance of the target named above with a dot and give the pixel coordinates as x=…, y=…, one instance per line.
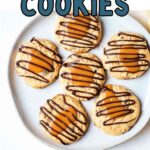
x=126, y=55
x=64, y=119
x=79, y=34
x=82, y=76
x=116, y=110
x=38, y=62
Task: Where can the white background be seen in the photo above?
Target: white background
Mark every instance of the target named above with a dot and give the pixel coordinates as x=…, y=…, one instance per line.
x=13, y=134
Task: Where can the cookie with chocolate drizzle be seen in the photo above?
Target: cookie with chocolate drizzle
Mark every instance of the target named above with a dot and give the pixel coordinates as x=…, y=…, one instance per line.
x=38, y=62
x=63, y=119
x=79, y=34
x=116, y=110
x=126, y=55
x=82, y=76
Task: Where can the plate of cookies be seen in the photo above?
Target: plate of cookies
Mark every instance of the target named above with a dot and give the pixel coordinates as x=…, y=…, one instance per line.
x=82, y=82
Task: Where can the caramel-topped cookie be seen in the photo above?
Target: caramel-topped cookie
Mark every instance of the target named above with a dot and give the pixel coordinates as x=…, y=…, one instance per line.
x=82, y=76
x=79, y=34
x=38, y=62
x=126, y=55
x=116, y=110
x=64, y=119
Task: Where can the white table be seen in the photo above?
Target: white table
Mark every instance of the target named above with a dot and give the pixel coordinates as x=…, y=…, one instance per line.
x=13, y=134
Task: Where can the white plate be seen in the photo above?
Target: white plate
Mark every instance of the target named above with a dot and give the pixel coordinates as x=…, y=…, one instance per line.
x=29, y=100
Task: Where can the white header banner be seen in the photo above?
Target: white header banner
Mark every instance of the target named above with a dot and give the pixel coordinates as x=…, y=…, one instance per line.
x=15, y=4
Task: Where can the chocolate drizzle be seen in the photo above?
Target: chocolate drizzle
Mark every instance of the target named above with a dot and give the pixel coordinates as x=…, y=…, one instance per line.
x=38, y=56
x=76, y=28
x=82, y=81
x=131, y=59
x=114, y=108
x=61, y=128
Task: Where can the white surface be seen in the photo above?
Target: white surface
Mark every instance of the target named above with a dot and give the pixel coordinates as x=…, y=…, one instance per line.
x=11, y=129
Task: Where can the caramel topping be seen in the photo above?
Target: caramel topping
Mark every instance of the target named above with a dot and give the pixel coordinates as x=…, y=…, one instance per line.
x=81, y=75
x=62, y=121
x=38, y=62
x=127, y=48
x=113, y=107
x=128, y=57
x=112, y=104
x=77, y=31
x=78, y=27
